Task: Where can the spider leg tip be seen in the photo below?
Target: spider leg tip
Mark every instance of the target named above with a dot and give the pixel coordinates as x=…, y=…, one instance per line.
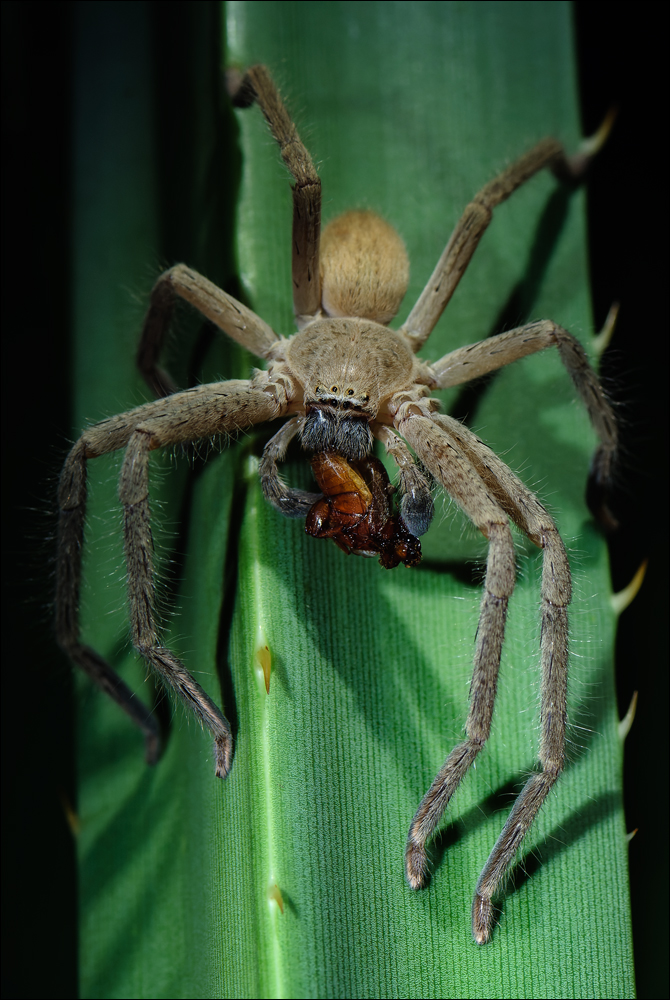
x=482, y=917
x=416, y=866
x=223, y=750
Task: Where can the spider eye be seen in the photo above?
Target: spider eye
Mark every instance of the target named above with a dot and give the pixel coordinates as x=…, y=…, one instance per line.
x=334, y=388
x=318, y=390
x=350, y=392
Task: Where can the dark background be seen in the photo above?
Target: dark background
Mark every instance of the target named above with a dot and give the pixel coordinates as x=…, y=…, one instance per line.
x=622, y=49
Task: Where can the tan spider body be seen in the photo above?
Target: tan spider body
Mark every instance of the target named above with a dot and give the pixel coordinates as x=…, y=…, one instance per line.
x=343, y=381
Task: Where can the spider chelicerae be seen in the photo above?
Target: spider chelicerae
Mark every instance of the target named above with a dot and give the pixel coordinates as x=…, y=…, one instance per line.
x=342, y=382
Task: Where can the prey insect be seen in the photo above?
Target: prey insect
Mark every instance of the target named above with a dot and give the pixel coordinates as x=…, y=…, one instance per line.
x=344, y=381
x=355, y=511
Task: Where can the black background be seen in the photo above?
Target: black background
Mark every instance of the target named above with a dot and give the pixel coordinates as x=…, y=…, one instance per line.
x=622, y=51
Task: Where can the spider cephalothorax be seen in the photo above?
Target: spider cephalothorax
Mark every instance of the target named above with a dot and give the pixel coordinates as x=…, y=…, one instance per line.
x=341, y=383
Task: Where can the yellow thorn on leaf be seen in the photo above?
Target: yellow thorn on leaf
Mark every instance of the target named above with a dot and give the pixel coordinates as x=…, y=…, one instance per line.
x=601, y=340
x=594, y=143
x=624, y=726
x=262, y=660
x=71, y=817
x=274, y=895
x=626, y=596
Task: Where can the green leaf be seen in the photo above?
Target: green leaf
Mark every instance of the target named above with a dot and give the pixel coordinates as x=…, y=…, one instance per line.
x=407, y=109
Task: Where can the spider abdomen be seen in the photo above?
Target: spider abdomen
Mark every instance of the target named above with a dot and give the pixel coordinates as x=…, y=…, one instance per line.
x=364, y=267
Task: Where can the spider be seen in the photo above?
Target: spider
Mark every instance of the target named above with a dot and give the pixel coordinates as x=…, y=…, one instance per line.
x=344, y=381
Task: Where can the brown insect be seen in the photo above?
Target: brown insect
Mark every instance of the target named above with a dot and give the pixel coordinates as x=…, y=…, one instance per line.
x=342, y=382
x=356, y=511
